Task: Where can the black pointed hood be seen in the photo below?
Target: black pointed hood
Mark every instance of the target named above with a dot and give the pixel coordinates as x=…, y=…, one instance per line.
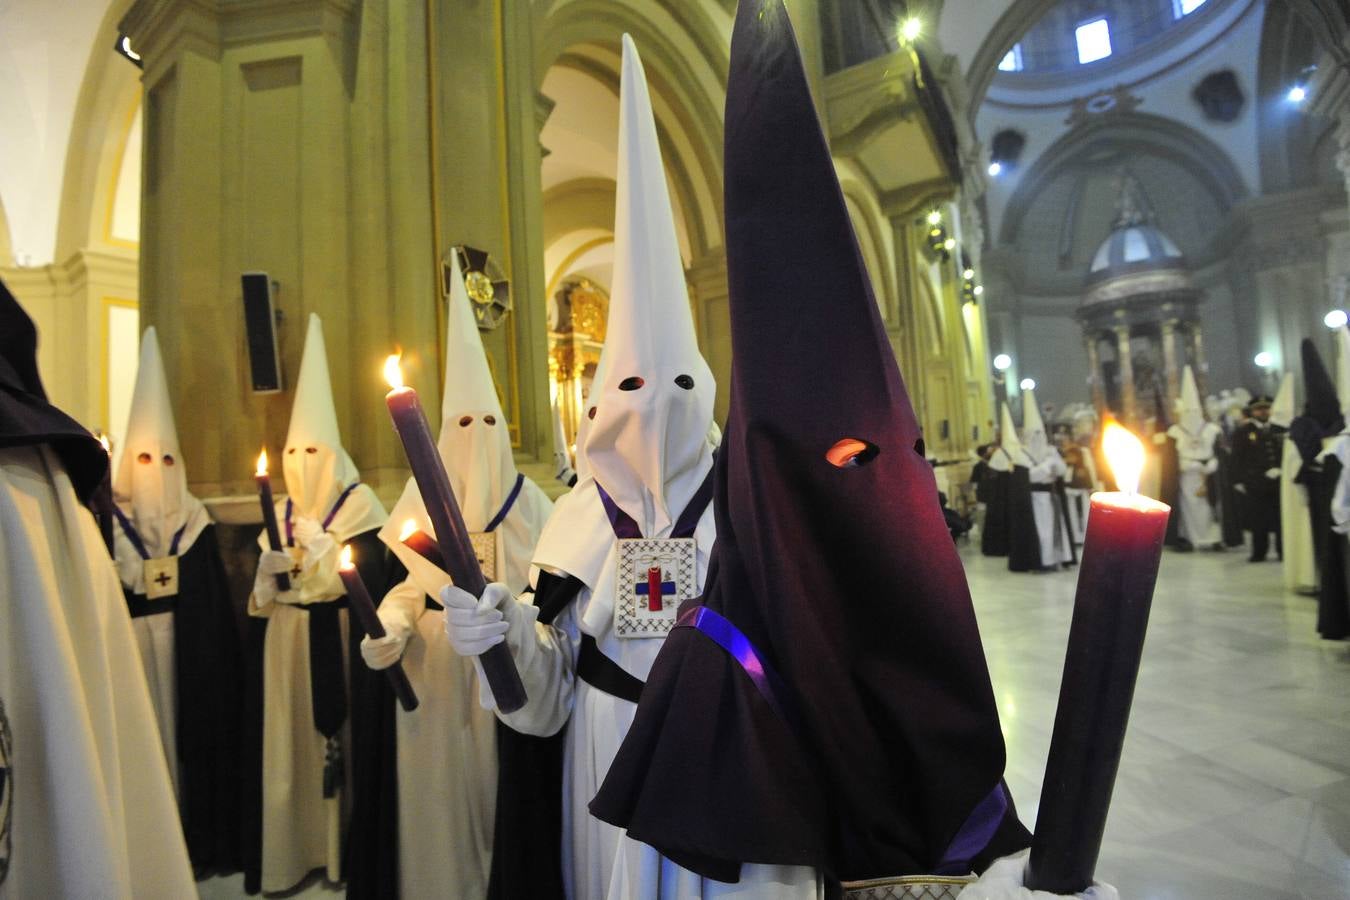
x=872, y=747
x=26, y=417
x=1321, y=408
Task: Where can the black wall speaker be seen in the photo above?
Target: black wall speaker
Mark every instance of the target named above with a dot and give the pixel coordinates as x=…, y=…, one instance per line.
x=260, y=323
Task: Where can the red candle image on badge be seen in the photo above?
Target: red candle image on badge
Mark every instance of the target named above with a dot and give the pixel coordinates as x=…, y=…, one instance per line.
x=654, y=589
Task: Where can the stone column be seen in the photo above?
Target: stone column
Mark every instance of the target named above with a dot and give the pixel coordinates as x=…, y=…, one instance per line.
x=1170, y=369
x=1095, y=373
x=1128, y=412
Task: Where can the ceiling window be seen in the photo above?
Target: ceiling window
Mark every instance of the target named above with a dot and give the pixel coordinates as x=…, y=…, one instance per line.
x=1094, y=40
x=1185, y=7
x=1012, y=60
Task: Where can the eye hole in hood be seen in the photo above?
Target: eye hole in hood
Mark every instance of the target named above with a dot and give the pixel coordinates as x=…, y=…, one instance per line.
x=850, y=453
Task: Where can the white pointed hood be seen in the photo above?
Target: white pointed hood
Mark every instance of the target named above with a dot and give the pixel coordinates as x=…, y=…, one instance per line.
x=151, y=481
x=474, y=442
x=475, y=446
x=1191, y=411
x=1007, y=434
x=647, y=445
x=316, y=467
x=1343, y=368
x=1035, y=439
x=1282, y=409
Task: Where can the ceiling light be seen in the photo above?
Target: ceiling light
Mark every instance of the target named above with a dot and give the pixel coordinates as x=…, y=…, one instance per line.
x=1336, y=319
x=1002, y=362
x=1028, y=384
x=934, y=217
x=1265, y=359
x=1297, y=94
x=995, y=168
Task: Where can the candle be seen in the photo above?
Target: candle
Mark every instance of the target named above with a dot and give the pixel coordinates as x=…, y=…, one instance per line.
x=1121, y=554
x=447, y=525
x=358, y=599
x=269, y=514
x=102, y=502
x=421, y=543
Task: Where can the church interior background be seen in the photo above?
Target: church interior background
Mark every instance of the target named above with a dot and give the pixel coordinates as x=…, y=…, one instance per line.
x=1080, y=195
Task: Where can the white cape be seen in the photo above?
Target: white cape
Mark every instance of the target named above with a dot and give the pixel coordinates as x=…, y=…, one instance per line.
x=1300, y=565
x=93, y=808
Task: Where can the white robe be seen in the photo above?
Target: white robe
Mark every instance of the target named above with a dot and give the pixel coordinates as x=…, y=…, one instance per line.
x=94, y=813
x=301, y=829
x=447, y=747
x=1300, y=563
x=1051, y=528
x=1195, y=463
x=154, y=639
x=600, y=862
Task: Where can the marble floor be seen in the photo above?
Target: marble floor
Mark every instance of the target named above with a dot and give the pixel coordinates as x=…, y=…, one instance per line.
x=1235, y=781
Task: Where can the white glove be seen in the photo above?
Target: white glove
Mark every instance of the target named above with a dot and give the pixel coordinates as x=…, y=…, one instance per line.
x=381, y=653
x=475, y=625
x=271, y=564
x=1272, y=474
x=306, y=530
x=1004, y=881
x=1240, y=488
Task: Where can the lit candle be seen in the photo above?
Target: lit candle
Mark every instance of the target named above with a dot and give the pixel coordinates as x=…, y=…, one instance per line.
x=102, y=502
x=420, y=542
x=269, y=514
x=447, y=525
x=358, y=600
x=1106, y=639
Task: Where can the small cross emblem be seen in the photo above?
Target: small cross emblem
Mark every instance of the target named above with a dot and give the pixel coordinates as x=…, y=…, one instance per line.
x=296, y=570
x=162, y=579
x=654, y=588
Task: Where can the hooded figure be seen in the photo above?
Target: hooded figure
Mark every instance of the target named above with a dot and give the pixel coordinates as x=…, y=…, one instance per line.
x=1195, y=440
x=176, y=592
x=1300, y=564
x=83, y=779
x=1253, y=467
x=1045, y=482
x=447, y=747
x=1312, y=433
x=628, y=544
x=833, y=659
x=996, y=533
x=306, y=742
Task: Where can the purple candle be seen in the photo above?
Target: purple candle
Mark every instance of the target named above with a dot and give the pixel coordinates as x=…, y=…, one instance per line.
x=1106, y=639
x=269, y=514
x=358, y=600
x=448, y=525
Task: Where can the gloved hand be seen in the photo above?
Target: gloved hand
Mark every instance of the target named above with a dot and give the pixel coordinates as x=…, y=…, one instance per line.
x=381, y=653
x=271, y=564
x=1240, y=488
x=1272, y=474
x=1004, y=881
x=306, y=530
x=475, y=625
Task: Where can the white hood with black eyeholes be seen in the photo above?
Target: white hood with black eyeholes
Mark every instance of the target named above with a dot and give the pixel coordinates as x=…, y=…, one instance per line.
x=151, y=481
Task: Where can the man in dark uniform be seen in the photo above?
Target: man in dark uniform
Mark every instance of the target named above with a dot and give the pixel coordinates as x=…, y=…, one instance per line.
x=1258, y=447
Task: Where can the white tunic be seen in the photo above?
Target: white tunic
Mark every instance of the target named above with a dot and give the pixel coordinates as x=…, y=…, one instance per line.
x=1195, y=463
x=447, y=747
x=1300, y=563
x=93, y=808
x=599, y=860
x=1051, y=528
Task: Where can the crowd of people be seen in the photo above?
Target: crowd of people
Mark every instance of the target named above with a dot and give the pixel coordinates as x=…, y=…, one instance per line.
x=1239, y=471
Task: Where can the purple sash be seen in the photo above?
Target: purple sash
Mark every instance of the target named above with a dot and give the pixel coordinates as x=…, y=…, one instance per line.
x=134, y=536
x=685, y=526
x=328, y=519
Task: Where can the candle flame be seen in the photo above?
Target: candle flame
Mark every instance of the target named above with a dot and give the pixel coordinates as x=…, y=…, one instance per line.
x=262, y=463
x=1125, y=454
x=392, y=373
x=408, y=530
x=345, y=560
x=107, y=444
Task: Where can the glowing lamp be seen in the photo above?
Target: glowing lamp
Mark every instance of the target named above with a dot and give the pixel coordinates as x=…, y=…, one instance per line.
x=995, y=169
x=1297, y=94
x=1028, y=384
x=1003, y=362
x=910, y=30
x=1264, y=359
x=1335, y=319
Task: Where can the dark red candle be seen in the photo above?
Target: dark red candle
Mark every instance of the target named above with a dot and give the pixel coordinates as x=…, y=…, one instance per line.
x=654, y=589
x=358, y=600
x=269, y=514
x=447, y=525
x=1116, y=578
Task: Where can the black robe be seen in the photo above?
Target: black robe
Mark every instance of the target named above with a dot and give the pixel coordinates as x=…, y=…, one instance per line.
x=370, y=861
x=1024, y=542
x=1333, y=589
x=527, y=832
x=208, y=667
x=1232, y=503
x=1169, y=488
x=995, y=537
x=371, y=836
